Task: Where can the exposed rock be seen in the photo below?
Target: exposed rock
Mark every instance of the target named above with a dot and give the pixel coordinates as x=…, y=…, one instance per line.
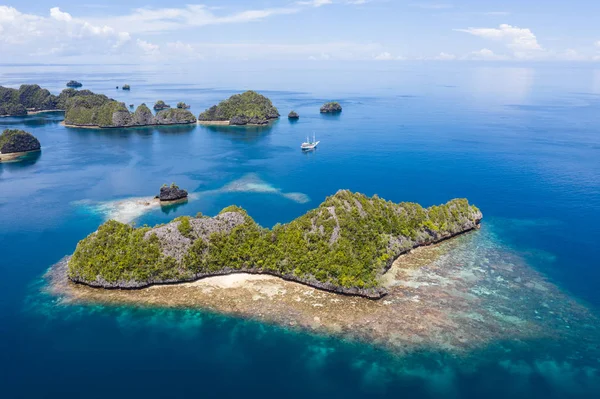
x=143, y=116
x=172, y=193
x=160, y=105
x=174, y=116
x=331, y=108
x=293, y=115
x=14, y=140
x=73, y=83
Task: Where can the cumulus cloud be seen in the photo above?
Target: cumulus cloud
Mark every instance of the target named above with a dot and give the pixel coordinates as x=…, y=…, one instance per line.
x=59, y=33
x=315, y=3
x=445, y=57
x=385, y=56
x=515, y=38
x=485, y=54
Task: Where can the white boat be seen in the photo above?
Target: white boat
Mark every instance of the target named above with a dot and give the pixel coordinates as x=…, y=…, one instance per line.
x=310, y=145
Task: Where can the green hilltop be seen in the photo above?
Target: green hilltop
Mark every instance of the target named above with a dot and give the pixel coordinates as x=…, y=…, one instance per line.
x=249, y=107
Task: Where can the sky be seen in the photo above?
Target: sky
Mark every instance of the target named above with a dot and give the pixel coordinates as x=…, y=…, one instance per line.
x=151, y=31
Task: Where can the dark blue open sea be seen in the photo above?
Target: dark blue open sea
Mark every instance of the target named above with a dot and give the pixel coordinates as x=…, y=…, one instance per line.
x=522, y=142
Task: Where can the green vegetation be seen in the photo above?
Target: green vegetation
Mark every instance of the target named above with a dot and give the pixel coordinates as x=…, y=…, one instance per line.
x=182, y=105
x=17, y=102
x=73, y=83
x=345, y=244
x=248, y=107
x=331, y=107
x=14, y=140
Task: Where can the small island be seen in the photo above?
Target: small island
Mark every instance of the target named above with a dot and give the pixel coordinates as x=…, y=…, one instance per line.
x=331, y=108
x=160, y=105
x=172, y=194
x=293, y=115
x=343, y=246
x=73, y=83
x=183, y=105
x=249, y=108
x=15, y=144
x=125, y=87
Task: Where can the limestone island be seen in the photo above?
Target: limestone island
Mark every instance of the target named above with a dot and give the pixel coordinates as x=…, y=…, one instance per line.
x=183, y=105
x=101, y=112
x=172, y=194
x=15, y=144
x=344, y=246
x=249, y=108
x=31, y=99
x=73, y=83
x=125, y=87
x=160, y=105
x=331, y=108
x=293, y=115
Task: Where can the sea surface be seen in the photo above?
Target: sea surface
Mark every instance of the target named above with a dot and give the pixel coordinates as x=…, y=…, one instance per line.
x=522, y=142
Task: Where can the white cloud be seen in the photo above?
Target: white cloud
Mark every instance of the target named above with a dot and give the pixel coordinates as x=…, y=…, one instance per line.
x=515, y=38
x=445, y=57
x=598, y=43
x=57, y=14
x=58, y=34
x=315, y=3
x=433, y=6
x=147, y=47
x=485, y=55
x=385, y=56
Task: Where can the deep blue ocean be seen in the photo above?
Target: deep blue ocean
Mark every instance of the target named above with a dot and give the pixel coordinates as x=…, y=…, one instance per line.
x=522, y=142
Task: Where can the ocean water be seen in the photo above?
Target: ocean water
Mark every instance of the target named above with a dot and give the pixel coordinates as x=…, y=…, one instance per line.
x=522, y=142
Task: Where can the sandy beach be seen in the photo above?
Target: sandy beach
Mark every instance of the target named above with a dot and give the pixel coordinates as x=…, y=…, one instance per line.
x=14, y=156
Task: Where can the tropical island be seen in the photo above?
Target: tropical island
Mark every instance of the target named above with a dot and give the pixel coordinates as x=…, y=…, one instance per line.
x=160, y=105
x=74, y=83
x=343, y=246
x=125, y=87
x=183, y=105
x=15, y=143
x=293, y=115
x=248, y=108
x=331, y=108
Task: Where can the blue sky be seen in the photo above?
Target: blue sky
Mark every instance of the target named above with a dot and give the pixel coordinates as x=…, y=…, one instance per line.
x=374, y=30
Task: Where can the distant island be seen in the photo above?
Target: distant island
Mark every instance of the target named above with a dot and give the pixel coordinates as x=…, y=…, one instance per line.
x=15, y=143
x=160, y=105
x=183, y=105
x=342, y=246
x=293, y=115
x=125, y=87
x=73, y=83
x=331, y=108
x=84, y=108
x=249, y=108
x=29, y=99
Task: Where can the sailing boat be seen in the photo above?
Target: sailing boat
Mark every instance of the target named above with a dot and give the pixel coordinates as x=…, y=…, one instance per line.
x=310, y=145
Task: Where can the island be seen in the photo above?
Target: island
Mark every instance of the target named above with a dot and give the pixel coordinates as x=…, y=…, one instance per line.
x=343, y=246
x=102, y=112
x=293, y=115
x=331, y=108
x=249, y=108
x=160, y=105
x=73, y=83
x=15, y=144
x=183, y=105
x=172, y=194
x=125, y=87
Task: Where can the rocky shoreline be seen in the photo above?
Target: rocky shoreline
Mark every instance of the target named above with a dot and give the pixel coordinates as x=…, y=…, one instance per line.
x=124, y=127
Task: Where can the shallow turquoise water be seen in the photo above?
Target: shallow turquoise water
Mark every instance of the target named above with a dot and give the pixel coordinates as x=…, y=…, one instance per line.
x=523, y=143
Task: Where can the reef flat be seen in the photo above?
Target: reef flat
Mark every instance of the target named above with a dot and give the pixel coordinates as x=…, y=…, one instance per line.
x=456, y=296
